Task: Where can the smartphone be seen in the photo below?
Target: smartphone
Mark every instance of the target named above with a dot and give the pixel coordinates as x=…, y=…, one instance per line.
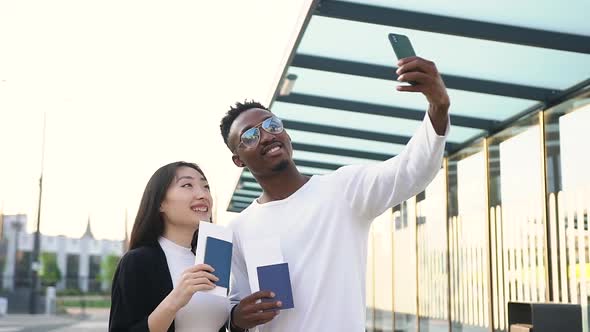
x=402, y=47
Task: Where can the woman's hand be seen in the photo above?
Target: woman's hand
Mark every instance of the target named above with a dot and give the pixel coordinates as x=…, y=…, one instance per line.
x=197, y=278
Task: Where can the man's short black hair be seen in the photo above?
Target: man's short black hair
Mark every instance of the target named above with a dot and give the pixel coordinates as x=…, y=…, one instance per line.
x=233, y=113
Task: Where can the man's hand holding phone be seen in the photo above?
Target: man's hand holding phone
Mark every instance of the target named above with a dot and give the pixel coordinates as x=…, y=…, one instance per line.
x=424, y=77
x=427, y=80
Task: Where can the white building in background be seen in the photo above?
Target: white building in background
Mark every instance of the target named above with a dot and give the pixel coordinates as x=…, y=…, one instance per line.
x=78, y=259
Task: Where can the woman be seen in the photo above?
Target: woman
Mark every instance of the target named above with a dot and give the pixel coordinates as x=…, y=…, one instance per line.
x=156, y=286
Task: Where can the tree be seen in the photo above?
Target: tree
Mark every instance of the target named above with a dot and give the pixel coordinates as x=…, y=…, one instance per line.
x=49, y=273
x=107, y=269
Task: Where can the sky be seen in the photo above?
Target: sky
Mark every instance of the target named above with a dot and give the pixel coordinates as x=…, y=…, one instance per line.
x=126, y=87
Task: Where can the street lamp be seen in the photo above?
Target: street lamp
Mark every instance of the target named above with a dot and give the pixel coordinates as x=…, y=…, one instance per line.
x=287, y=85
x=35, y=265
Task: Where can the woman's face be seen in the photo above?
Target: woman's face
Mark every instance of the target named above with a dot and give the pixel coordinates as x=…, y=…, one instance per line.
x=188, y=199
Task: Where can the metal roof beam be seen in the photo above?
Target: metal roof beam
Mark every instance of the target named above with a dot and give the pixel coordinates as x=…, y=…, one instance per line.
x=454, y=26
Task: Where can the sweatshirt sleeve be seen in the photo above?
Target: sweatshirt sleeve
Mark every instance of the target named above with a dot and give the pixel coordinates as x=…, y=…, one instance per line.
x=372, y=189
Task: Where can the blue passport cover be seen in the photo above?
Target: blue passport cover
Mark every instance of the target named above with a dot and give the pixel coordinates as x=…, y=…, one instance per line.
x=276, y=278
x=218, y=255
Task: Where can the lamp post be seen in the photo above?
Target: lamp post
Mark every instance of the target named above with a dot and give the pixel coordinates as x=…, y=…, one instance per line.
x=287, y=85
x=35, y=265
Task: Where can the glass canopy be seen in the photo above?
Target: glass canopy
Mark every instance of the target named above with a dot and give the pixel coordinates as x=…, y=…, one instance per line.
x=499, y=61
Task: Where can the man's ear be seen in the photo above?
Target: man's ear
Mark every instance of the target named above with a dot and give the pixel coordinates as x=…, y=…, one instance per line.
x=237, y=161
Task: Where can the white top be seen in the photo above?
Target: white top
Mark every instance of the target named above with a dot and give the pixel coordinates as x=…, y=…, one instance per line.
x=323, y=231
x=204, y=312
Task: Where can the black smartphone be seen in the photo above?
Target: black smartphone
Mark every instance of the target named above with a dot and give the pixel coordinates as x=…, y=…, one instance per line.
x=402, y=47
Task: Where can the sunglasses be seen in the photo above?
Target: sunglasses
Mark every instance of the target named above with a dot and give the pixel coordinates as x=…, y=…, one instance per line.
x=251, y=137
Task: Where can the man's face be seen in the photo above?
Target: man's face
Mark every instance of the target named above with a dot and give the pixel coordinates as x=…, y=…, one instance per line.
x=273, y=152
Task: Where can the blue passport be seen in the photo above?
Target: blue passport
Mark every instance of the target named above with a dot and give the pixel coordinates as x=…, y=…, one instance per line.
x=218, y=255
x=276, y=278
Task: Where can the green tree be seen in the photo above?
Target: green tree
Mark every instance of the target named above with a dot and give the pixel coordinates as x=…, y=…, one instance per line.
x=107, y=269
x=49, y=273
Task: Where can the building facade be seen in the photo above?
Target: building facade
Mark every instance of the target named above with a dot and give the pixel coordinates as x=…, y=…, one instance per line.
x=78, y=259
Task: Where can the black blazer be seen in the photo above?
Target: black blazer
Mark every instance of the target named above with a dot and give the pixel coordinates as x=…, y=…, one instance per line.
x=141, y=282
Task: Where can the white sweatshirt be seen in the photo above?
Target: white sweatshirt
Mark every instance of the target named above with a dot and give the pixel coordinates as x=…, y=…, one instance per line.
x=323, y=231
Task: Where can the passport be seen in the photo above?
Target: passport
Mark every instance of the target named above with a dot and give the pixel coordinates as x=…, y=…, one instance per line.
x=276, y=278
x=218, y=254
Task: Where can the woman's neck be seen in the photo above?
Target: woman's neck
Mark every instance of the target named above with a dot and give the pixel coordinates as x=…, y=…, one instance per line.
x=181, y=236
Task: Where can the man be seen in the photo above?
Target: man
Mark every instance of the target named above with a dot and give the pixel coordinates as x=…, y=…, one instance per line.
x=322, y=222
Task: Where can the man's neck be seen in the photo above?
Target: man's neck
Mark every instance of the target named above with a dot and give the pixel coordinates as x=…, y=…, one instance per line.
x=281, y=184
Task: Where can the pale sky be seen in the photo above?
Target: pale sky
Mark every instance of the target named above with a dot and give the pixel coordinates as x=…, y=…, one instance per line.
x=127, y=86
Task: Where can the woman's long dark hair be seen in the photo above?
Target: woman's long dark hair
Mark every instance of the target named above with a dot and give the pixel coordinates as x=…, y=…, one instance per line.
x=149, y=224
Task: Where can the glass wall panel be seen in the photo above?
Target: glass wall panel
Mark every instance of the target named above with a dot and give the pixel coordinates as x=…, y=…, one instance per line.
x=467, y=208
x=370, y=285
x=383, y=272
x=516, y=218
x=568, y=201
x=432, y=257
x=500, y=239
x=404, y=266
